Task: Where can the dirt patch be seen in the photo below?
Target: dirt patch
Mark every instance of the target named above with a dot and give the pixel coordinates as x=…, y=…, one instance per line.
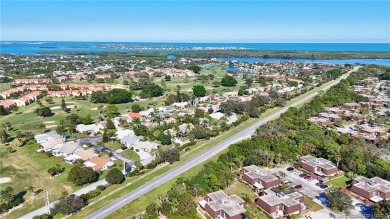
x=4, y=180
x=49, y=122
x=94, y=108
x=56, y=107
x=50, y=126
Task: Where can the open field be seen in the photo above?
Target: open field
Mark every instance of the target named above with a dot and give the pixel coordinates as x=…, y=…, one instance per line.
x=338, y=182
x=27, y=167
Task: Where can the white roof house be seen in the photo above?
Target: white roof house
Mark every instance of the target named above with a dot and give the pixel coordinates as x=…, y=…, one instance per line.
x=217, y=115
x=146, y=146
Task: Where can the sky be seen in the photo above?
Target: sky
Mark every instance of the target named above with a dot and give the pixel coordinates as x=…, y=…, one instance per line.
x=191, y=21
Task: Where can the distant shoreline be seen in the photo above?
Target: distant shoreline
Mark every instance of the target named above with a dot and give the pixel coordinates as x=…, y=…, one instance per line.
x=236, y=54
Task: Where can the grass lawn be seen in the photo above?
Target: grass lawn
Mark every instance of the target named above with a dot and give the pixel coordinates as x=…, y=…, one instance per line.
x=27, y=167
x=315, y=206
x=243, y=190
x=338, y=182
x=240, y=189
x=131, y=154
x=114, y=145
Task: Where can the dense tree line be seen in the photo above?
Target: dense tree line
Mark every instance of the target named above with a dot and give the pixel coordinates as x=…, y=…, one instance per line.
x=113, y=96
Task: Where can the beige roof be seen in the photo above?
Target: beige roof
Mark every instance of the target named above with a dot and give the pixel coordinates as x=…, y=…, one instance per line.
x=255, y=172
x=51, y=143
x=272, y=198
x=315, y=162
x=373, y=184
x=231, y=205
x=85, y=154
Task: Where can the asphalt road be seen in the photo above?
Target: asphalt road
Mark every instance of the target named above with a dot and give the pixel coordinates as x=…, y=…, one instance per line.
x=200, y=158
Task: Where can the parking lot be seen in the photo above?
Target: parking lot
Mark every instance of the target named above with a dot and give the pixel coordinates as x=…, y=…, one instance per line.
x=309, y=188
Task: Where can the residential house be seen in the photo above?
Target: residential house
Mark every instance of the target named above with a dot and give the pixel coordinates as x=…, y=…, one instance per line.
x=318, y=166
x=66, y=149
x=52, y=144
x=7, y=105
x=278, y=204
x=42, y=138
x=260, y=178
x=130, y=140
x=374, y=189
x=99, y=163
x=220, y=205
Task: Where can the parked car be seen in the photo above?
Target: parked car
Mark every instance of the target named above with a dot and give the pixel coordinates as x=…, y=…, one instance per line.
x=298, y=187
x=302, y=175
x=323, y=186
x=290, y=168
x=307, y=177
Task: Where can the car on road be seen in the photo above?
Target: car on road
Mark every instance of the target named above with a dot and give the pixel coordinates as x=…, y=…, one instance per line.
x=307, y=177
x=298, y=187
x=302, y=175
x=290, y=168
x=123, y=147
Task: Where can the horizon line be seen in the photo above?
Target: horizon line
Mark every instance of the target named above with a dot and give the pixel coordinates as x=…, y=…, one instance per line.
x=203, y=42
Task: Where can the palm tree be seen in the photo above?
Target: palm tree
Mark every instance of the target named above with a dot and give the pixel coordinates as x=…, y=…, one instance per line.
x=3, y=136
x=30, y=188
x=7, y=125
x=42, y=126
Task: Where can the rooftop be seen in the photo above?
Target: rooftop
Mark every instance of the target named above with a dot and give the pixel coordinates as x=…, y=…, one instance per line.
x=255, y=172
x=315, y=162
x=231, y=205
x=275, y=198
x=373, y=184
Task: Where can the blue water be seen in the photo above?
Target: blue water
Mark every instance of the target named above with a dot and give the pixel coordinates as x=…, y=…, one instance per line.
x=328, y=61
x=29, y=47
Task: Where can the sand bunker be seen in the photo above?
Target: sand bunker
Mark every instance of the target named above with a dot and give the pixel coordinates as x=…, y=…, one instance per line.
x=4, y=180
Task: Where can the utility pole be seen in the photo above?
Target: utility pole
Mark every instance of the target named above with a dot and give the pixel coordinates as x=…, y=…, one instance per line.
x=47, y=201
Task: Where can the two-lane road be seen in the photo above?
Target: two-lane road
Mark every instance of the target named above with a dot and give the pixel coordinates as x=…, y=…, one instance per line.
x=202, y=157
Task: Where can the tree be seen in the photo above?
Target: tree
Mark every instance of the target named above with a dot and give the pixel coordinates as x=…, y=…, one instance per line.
x=136, y=108
x=43, y=111
x=167, y=78
x=228, y=81
x=30, y=188
x=2, y=111
x=42, y=126
x=80, y=175
x=339, y=201
x=111, y=110
x=116, y=96
x=57, y=169
x=382, y=209
x=152, y=90
x=110, y=124
x=195, y=68
x=115, y=176
x=165, y=139
x=199, y=113
x=105, y=138
x=216, y=84
x=69, y=205
x=249, y=82
x=199, y=91
x=7, y=125
x=7, y=194
x=63, y=105
x=86, y=120
x=3, y=136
